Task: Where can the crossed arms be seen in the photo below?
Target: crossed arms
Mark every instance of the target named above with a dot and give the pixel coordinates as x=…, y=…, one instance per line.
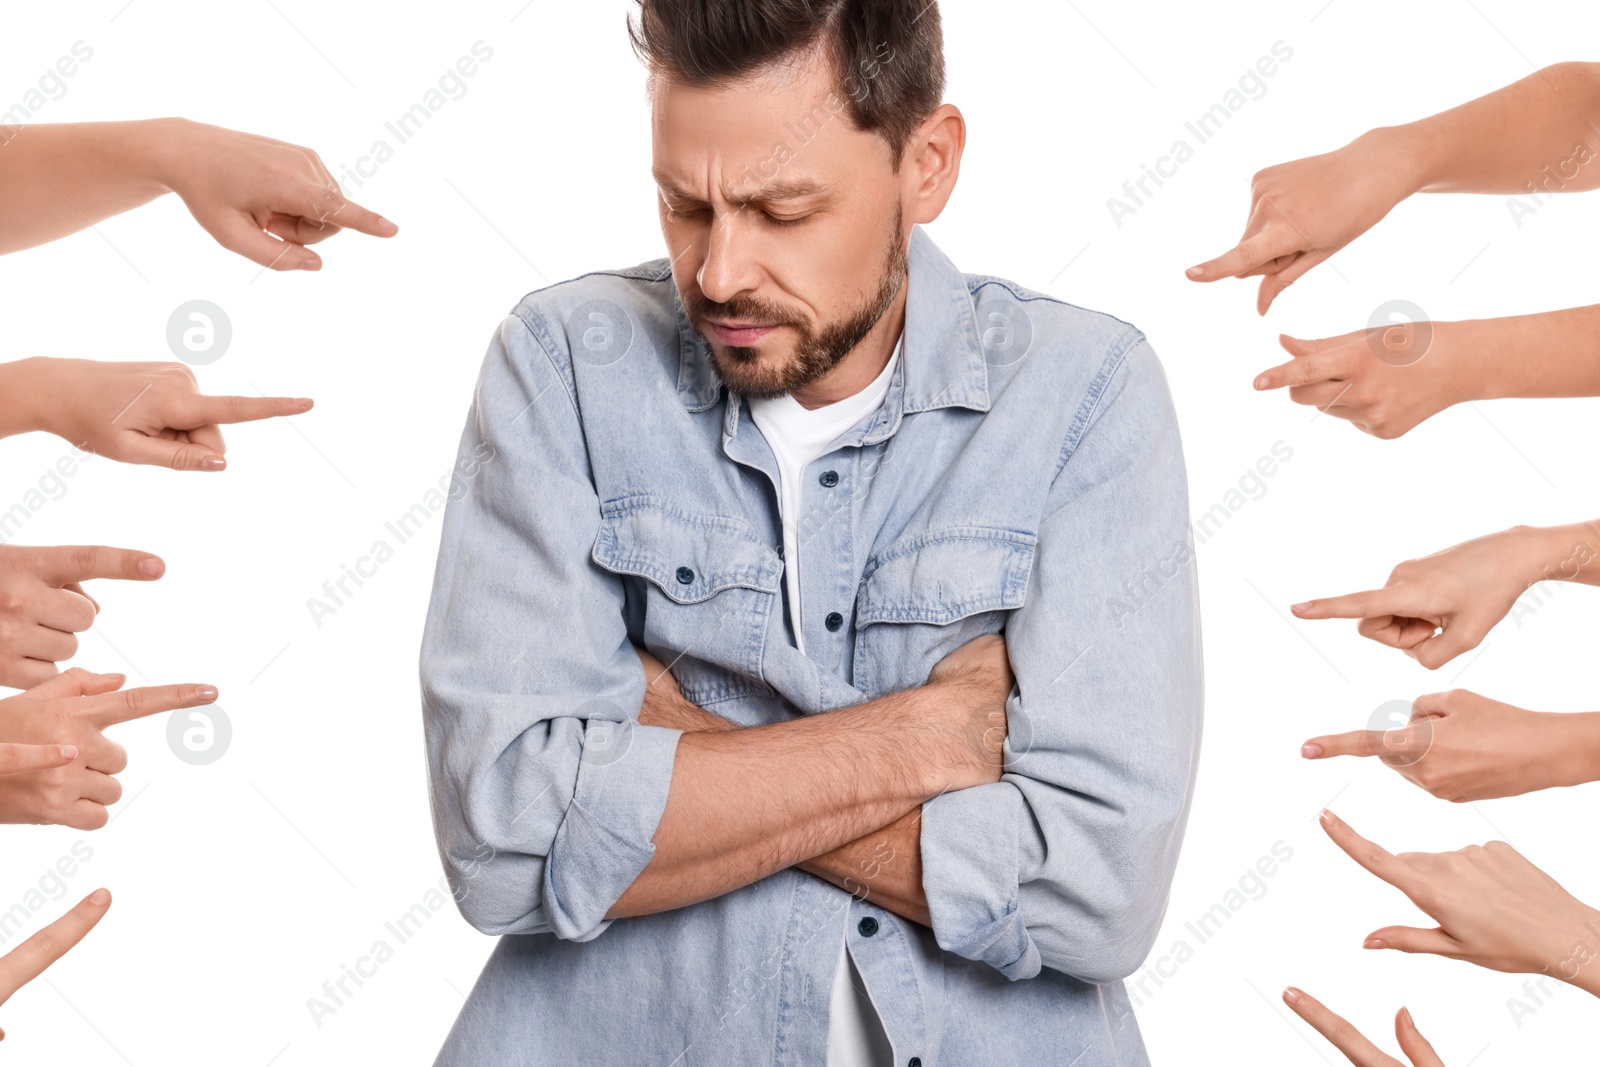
x=565, y=799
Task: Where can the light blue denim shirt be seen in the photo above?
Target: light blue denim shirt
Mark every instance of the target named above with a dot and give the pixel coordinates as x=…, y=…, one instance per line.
x=1024, y=474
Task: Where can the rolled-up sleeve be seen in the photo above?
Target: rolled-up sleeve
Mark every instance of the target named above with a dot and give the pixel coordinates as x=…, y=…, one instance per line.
x=1067, y=862
x=546, y=789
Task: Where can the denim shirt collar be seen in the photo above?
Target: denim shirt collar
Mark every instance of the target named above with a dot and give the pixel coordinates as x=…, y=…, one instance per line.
x=942, y=364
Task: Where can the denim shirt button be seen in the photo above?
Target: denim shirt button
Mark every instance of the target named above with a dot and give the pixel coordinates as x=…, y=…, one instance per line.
x=833, y=621
x=916, y=1061
x=867, y=926
x=685, y=575
x=829, y=479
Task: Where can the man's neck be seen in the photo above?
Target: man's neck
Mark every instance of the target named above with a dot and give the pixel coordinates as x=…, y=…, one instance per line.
x=864, y=363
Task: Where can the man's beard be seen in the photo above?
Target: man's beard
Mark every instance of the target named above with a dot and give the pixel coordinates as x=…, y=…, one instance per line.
x=816, y=353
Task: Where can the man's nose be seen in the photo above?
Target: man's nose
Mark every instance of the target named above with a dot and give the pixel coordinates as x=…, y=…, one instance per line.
x=730, y=265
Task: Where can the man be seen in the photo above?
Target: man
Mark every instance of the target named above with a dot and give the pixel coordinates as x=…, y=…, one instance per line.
x=816, y=471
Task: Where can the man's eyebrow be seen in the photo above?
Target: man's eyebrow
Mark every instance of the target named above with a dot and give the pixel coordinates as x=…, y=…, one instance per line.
x=770, y=190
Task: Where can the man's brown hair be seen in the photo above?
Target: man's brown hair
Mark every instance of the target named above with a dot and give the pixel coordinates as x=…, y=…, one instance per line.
x=888, y=54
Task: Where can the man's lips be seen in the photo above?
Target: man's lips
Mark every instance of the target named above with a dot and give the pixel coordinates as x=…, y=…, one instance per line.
x=740, y=335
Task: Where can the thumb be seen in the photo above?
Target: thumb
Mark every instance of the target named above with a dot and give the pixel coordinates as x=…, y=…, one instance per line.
x=1440, y=649
x=242, y=235
x=18, y=759
x=174, y=455
x=76, y=682
x=1412, y=1043
x=1274, y=284
x=1300, y=346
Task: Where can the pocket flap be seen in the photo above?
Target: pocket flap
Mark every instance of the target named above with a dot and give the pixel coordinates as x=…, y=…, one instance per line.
x=939, y=578
x=690, y=558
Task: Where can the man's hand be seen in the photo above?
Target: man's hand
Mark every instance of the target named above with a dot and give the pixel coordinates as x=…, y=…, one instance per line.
x=43, y=606
x=664, y=703
x=238, y=185
x=976, y=679
x=1357, y=1049
x=1304, y=211
x=1493, y=907
x=75, y=708
x=1437, y=607
x=1460, y=746
x=28, y=960
x=148, y=413
x=1375, y=379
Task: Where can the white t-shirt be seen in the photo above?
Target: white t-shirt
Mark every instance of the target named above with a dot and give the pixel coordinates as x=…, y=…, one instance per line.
x=798, y=438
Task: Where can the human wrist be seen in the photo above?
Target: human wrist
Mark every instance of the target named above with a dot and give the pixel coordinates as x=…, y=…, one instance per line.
x=1466, y=363
x=25, y=385
x=1553, y=553
x=1397, y=153
x=1580, y=967
x=160, y=149
x=1574, y=747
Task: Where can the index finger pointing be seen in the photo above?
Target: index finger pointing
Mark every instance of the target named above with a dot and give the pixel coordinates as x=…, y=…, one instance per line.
x=1367, y=604
x=1354, y=743
x=355, y=217
x=1370, y=855
x=1344, y=1037
x=1244, y=257
x=77, y=563
x=129, y=704
x=28, y=960
x=226, y=410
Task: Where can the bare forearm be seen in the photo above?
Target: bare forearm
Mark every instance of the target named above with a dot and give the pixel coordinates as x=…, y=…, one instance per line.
x=22, y=385
x=1553, y=354
x=1540, y=134
x=58, y=179
x=1569, y=553
x=746, y=803
x=884, y=867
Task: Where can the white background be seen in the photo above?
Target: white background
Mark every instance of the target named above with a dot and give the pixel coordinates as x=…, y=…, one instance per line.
x=242, y=886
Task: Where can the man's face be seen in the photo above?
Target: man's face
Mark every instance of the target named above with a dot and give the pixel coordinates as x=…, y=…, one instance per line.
x=783, y=221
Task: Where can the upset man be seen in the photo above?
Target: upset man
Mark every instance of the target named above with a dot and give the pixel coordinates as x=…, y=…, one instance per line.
x=904, y=555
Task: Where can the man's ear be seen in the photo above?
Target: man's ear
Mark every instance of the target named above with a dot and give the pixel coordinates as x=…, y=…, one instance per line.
x=932, y=163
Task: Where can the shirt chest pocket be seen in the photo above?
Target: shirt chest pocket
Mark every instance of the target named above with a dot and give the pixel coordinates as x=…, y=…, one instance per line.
x=701, y=589
x=924, y=597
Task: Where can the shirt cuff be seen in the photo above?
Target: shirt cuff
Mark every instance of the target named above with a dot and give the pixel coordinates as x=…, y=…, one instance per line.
x=970, y=868
x=605, y=839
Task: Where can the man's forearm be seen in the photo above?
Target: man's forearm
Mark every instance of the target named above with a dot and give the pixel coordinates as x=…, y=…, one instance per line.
x=1544, y=129
x=884, y=867
x=749, y=802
